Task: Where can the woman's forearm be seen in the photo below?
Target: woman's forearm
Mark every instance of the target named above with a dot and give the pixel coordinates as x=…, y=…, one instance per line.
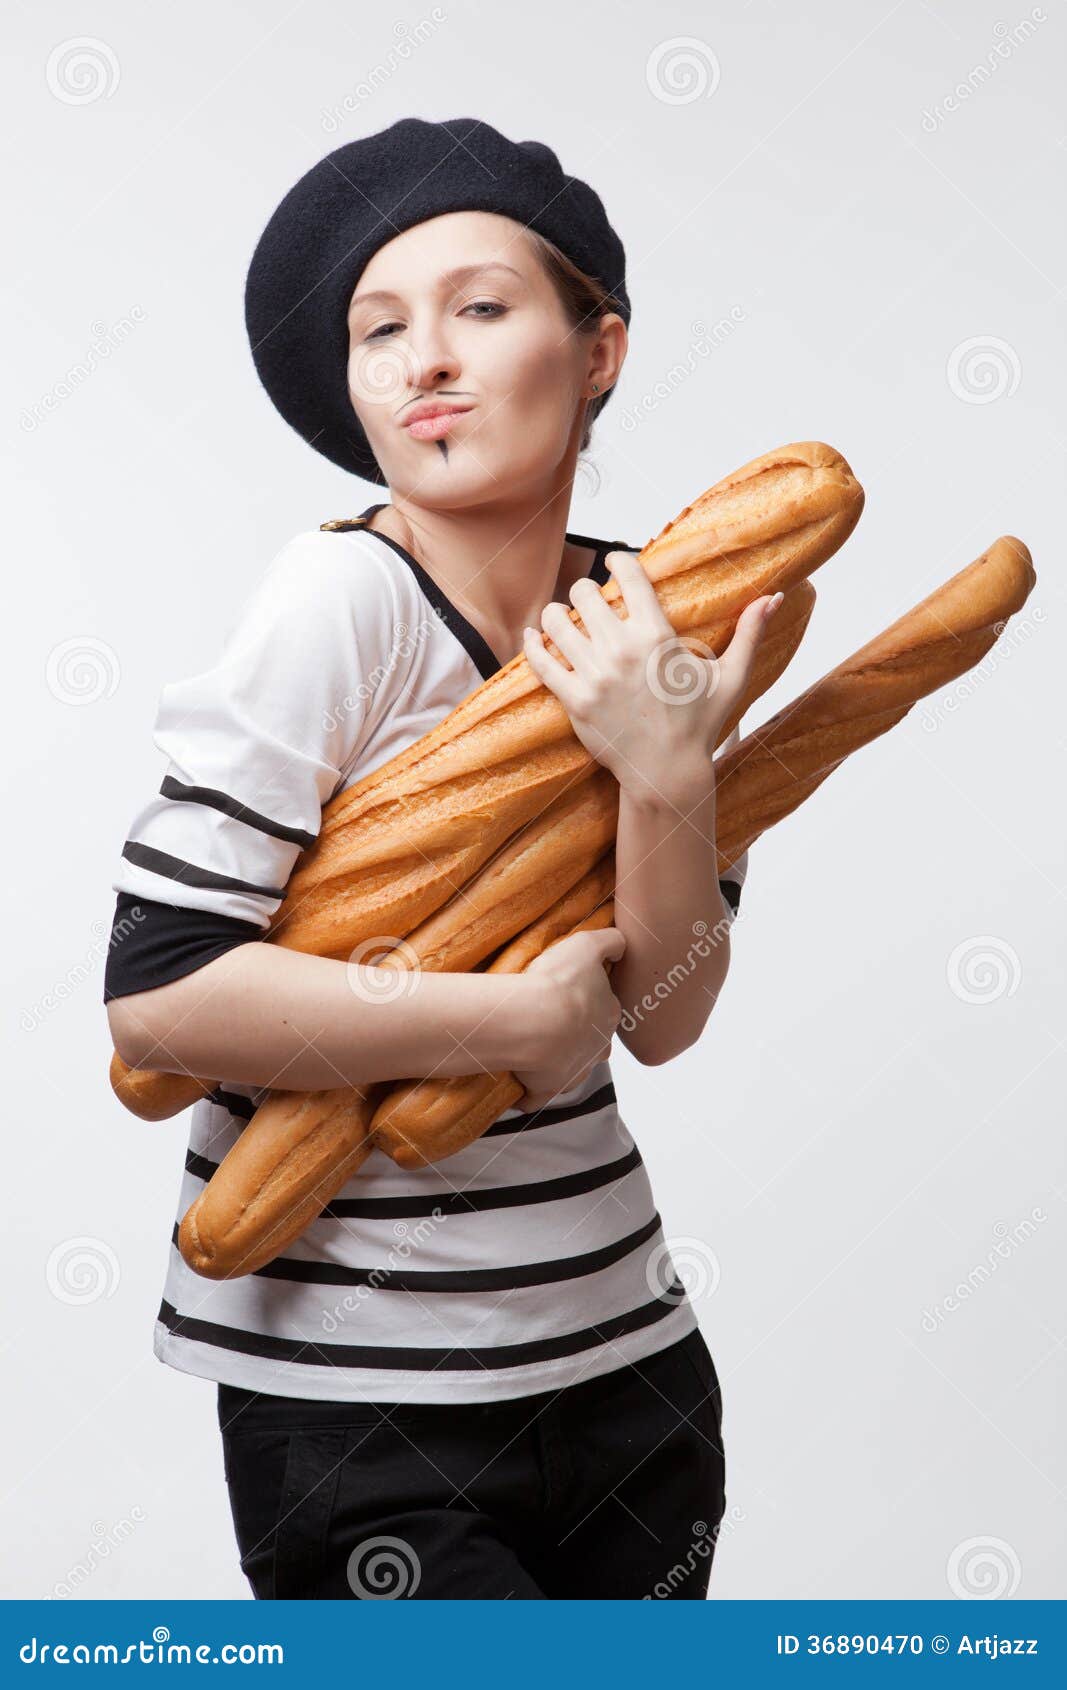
x=262, y=1015
x=669, y=906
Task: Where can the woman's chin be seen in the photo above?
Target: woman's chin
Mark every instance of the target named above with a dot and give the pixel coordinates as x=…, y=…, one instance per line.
x=445, y=482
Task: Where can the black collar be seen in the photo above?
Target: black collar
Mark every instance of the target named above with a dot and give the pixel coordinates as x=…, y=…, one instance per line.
x=478, y=649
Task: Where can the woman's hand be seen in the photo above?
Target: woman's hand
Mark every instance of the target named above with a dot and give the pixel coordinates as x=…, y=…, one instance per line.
x=579, y=1013
x=640, y=701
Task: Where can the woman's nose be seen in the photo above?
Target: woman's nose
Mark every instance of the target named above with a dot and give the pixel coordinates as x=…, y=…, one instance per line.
x=433, y=357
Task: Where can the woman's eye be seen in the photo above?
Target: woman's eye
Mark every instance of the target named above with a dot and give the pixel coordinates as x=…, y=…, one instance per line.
x=487, y=308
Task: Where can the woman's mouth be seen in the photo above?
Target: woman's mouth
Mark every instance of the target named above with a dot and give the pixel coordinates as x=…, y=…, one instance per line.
x=432, y=428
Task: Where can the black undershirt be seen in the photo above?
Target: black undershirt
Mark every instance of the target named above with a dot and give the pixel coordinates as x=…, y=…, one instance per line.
x=153, y=943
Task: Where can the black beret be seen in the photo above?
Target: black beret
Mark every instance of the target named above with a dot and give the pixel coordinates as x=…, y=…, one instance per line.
x=315, y=247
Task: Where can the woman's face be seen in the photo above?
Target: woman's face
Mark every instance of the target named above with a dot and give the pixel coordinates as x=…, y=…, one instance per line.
x=459, y=312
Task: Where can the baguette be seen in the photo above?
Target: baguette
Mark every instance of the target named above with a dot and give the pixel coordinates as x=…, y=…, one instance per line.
x=526, y=878
x=758, y=783
x=775, y=768
x=153, y=1094
x=273, y=1183
x=547, y=881
x=396, y=845
x=426, y=1120
x=299, y=1149
x=551, y=851
x=775, y=521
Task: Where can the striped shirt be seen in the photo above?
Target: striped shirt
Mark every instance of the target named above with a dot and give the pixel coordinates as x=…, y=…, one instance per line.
x=531, y=1259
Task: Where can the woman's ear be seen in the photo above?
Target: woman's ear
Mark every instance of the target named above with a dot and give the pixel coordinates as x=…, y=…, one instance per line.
x=609, y=352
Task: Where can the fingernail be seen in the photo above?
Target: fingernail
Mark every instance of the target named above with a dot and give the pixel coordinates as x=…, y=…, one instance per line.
x=772, y=605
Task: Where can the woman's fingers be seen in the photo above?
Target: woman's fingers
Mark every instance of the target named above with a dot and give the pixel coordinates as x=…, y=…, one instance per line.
x=549, y=669
x=608, y=943
x=594, y=610
x=557, y=624
x=638, y=593
x=735, y=664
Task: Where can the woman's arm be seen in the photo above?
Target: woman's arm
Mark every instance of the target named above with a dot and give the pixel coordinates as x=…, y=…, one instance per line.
x=257, y=743
x=262, y=1015
x=654, y=720
x=674, y=917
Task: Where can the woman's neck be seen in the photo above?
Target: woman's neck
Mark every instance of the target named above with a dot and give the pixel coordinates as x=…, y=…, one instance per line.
x=499, y=564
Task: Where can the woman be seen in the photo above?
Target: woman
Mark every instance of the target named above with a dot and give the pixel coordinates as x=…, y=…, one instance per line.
x=481, y=1379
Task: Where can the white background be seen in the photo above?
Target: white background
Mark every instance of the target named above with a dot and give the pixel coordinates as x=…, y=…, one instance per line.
x=839, y=1151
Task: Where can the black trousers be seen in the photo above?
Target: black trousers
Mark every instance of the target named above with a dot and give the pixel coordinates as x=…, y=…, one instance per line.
x=611, y=1488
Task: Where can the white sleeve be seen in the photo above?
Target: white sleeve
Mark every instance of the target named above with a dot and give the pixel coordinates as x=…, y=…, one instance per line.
x=257, y=744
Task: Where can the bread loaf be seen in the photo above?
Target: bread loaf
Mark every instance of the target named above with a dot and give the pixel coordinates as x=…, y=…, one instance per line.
x=425, y=1120
x=440, y=811
x=274, y=1182
x=762, y=780
x=153, y=1094
x=394, y=846
x=554, y=877
x=775, y=768
x=299, y=1149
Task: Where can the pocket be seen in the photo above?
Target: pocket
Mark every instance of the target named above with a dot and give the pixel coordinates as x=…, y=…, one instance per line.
x=254, y=1465
x=305, y=1505
x=252, y=1413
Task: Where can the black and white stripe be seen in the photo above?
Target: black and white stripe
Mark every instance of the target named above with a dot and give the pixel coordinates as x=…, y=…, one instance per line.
x=602, y=1338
